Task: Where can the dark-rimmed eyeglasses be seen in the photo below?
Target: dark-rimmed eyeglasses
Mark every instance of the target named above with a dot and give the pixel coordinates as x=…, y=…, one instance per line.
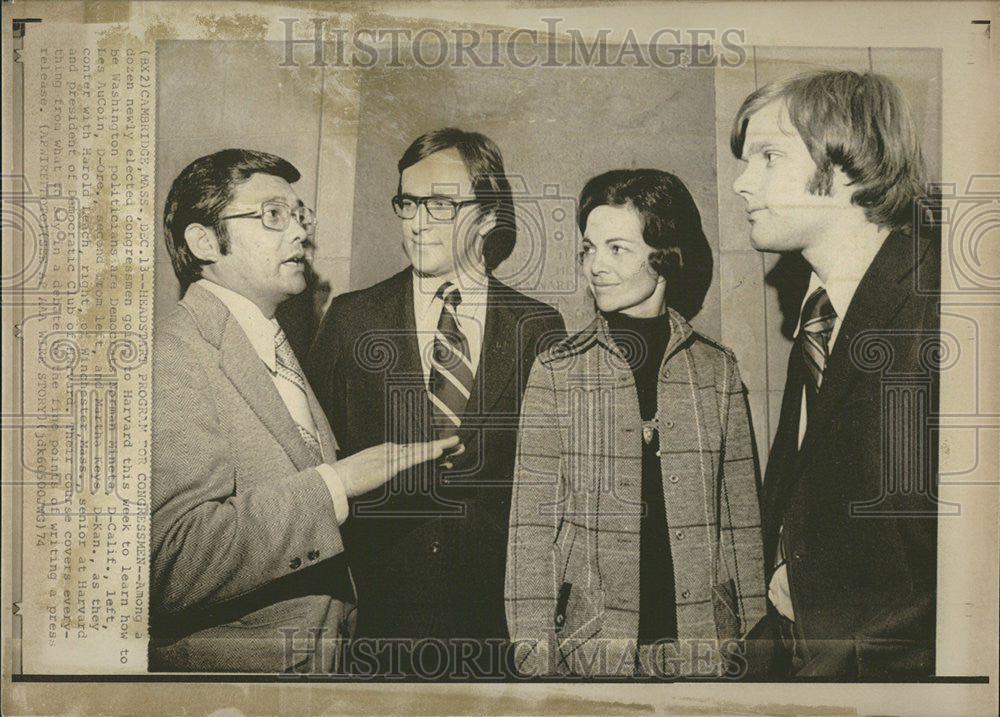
x=277, y=216
x=441, y=208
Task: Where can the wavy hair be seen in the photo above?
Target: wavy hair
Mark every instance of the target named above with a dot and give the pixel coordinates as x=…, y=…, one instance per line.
x=199, y=194
x=671, y=225
x=858, y=122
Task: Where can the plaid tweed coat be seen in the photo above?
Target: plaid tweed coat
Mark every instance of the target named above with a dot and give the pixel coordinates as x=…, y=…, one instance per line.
x=572, y=582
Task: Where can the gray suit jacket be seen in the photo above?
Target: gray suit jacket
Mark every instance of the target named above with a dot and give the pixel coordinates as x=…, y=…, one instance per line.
x=246, y=550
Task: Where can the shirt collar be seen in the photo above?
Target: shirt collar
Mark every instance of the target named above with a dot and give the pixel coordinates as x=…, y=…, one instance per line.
x=259, y=329
x=473, y=287
x=845, y=276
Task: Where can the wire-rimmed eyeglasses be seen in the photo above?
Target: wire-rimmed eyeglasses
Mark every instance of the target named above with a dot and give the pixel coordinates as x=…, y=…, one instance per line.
x=277, y=216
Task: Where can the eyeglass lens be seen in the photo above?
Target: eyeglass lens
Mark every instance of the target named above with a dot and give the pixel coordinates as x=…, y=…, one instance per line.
x=276, y=215
x=440, y=208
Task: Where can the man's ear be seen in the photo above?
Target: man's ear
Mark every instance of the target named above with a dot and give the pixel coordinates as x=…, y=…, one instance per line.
x=202, y=242
x=840, y=183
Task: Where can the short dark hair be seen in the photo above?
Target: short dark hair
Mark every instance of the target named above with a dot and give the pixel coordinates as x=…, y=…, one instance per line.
x=490, y=185
x=199, y=194
x=671, y=225
x=858, y=122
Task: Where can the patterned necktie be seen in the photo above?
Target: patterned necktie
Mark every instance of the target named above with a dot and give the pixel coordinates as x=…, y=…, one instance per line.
x=291, y=384
x=818, y=318
x=451, y=366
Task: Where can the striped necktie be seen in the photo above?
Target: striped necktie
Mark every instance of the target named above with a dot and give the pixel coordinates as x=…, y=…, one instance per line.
x=818, y=318
x=291, y=384
x=452, y=372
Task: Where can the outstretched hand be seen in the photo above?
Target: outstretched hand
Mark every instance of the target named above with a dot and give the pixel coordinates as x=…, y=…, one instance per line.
x=368, y=469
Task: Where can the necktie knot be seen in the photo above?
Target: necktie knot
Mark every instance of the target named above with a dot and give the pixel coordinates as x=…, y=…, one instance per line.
x=449, y=294
x=818, y=315
x=818, y=318
x=281, y=346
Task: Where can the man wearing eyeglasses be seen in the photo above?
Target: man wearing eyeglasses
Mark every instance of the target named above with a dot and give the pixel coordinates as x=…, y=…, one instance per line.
x=247, y=566
x=428, y=548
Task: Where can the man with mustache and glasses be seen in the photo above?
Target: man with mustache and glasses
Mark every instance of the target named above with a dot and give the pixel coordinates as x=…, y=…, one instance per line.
x=248, y=500
x=832, y=171
x=441, y=348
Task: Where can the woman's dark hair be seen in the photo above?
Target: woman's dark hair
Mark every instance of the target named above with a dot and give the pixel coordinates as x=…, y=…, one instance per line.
x=671, y=225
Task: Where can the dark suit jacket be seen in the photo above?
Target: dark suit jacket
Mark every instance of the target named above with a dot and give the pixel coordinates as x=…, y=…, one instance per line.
x=858, y=498
x=428, y=549
x=244, y=538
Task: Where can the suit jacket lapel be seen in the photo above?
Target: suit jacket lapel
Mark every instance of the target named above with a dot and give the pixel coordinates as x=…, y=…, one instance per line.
x=249, y=375
x=403, y=324
x=783, y=463
x=400, y=317
x=882, y=291
x=498, y=355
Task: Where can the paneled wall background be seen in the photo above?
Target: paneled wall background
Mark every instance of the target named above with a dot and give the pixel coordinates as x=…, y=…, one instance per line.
x=346, y=129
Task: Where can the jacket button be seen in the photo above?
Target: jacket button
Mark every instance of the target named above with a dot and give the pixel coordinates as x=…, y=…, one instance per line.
x=796, y=556
x=313, y=554
x=666, y=373
x=560, y=619
x=686, y=594
x=294, y=563
x=674, y=479
x=668, y=424
x=435, y=547
x=657, y=453
x=679, y=534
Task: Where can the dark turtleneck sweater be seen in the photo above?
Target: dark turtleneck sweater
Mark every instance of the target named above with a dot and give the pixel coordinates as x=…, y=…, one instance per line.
x=644, y=342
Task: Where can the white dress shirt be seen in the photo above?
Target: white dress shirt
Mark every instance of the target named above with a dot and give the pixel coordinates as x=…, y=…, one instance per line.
x=260, y=332
x=840, y=287
x=471, y=313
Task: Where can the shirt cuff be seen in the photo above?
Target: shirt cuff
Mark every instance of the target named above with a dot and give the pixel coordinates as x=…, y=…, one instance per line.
x=337, y=491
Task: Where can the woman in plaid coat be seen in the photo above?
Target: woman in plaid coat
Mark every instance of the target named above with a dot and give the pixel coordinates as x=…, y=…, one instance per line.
x=635, y=544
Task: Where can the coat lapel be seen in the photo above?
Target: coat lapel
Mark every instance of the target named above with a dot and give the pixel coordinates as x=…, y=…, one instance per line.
x=398, y=317
x=498, y=355
x=249, y=375
x=783, y=465
x=884, y=288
